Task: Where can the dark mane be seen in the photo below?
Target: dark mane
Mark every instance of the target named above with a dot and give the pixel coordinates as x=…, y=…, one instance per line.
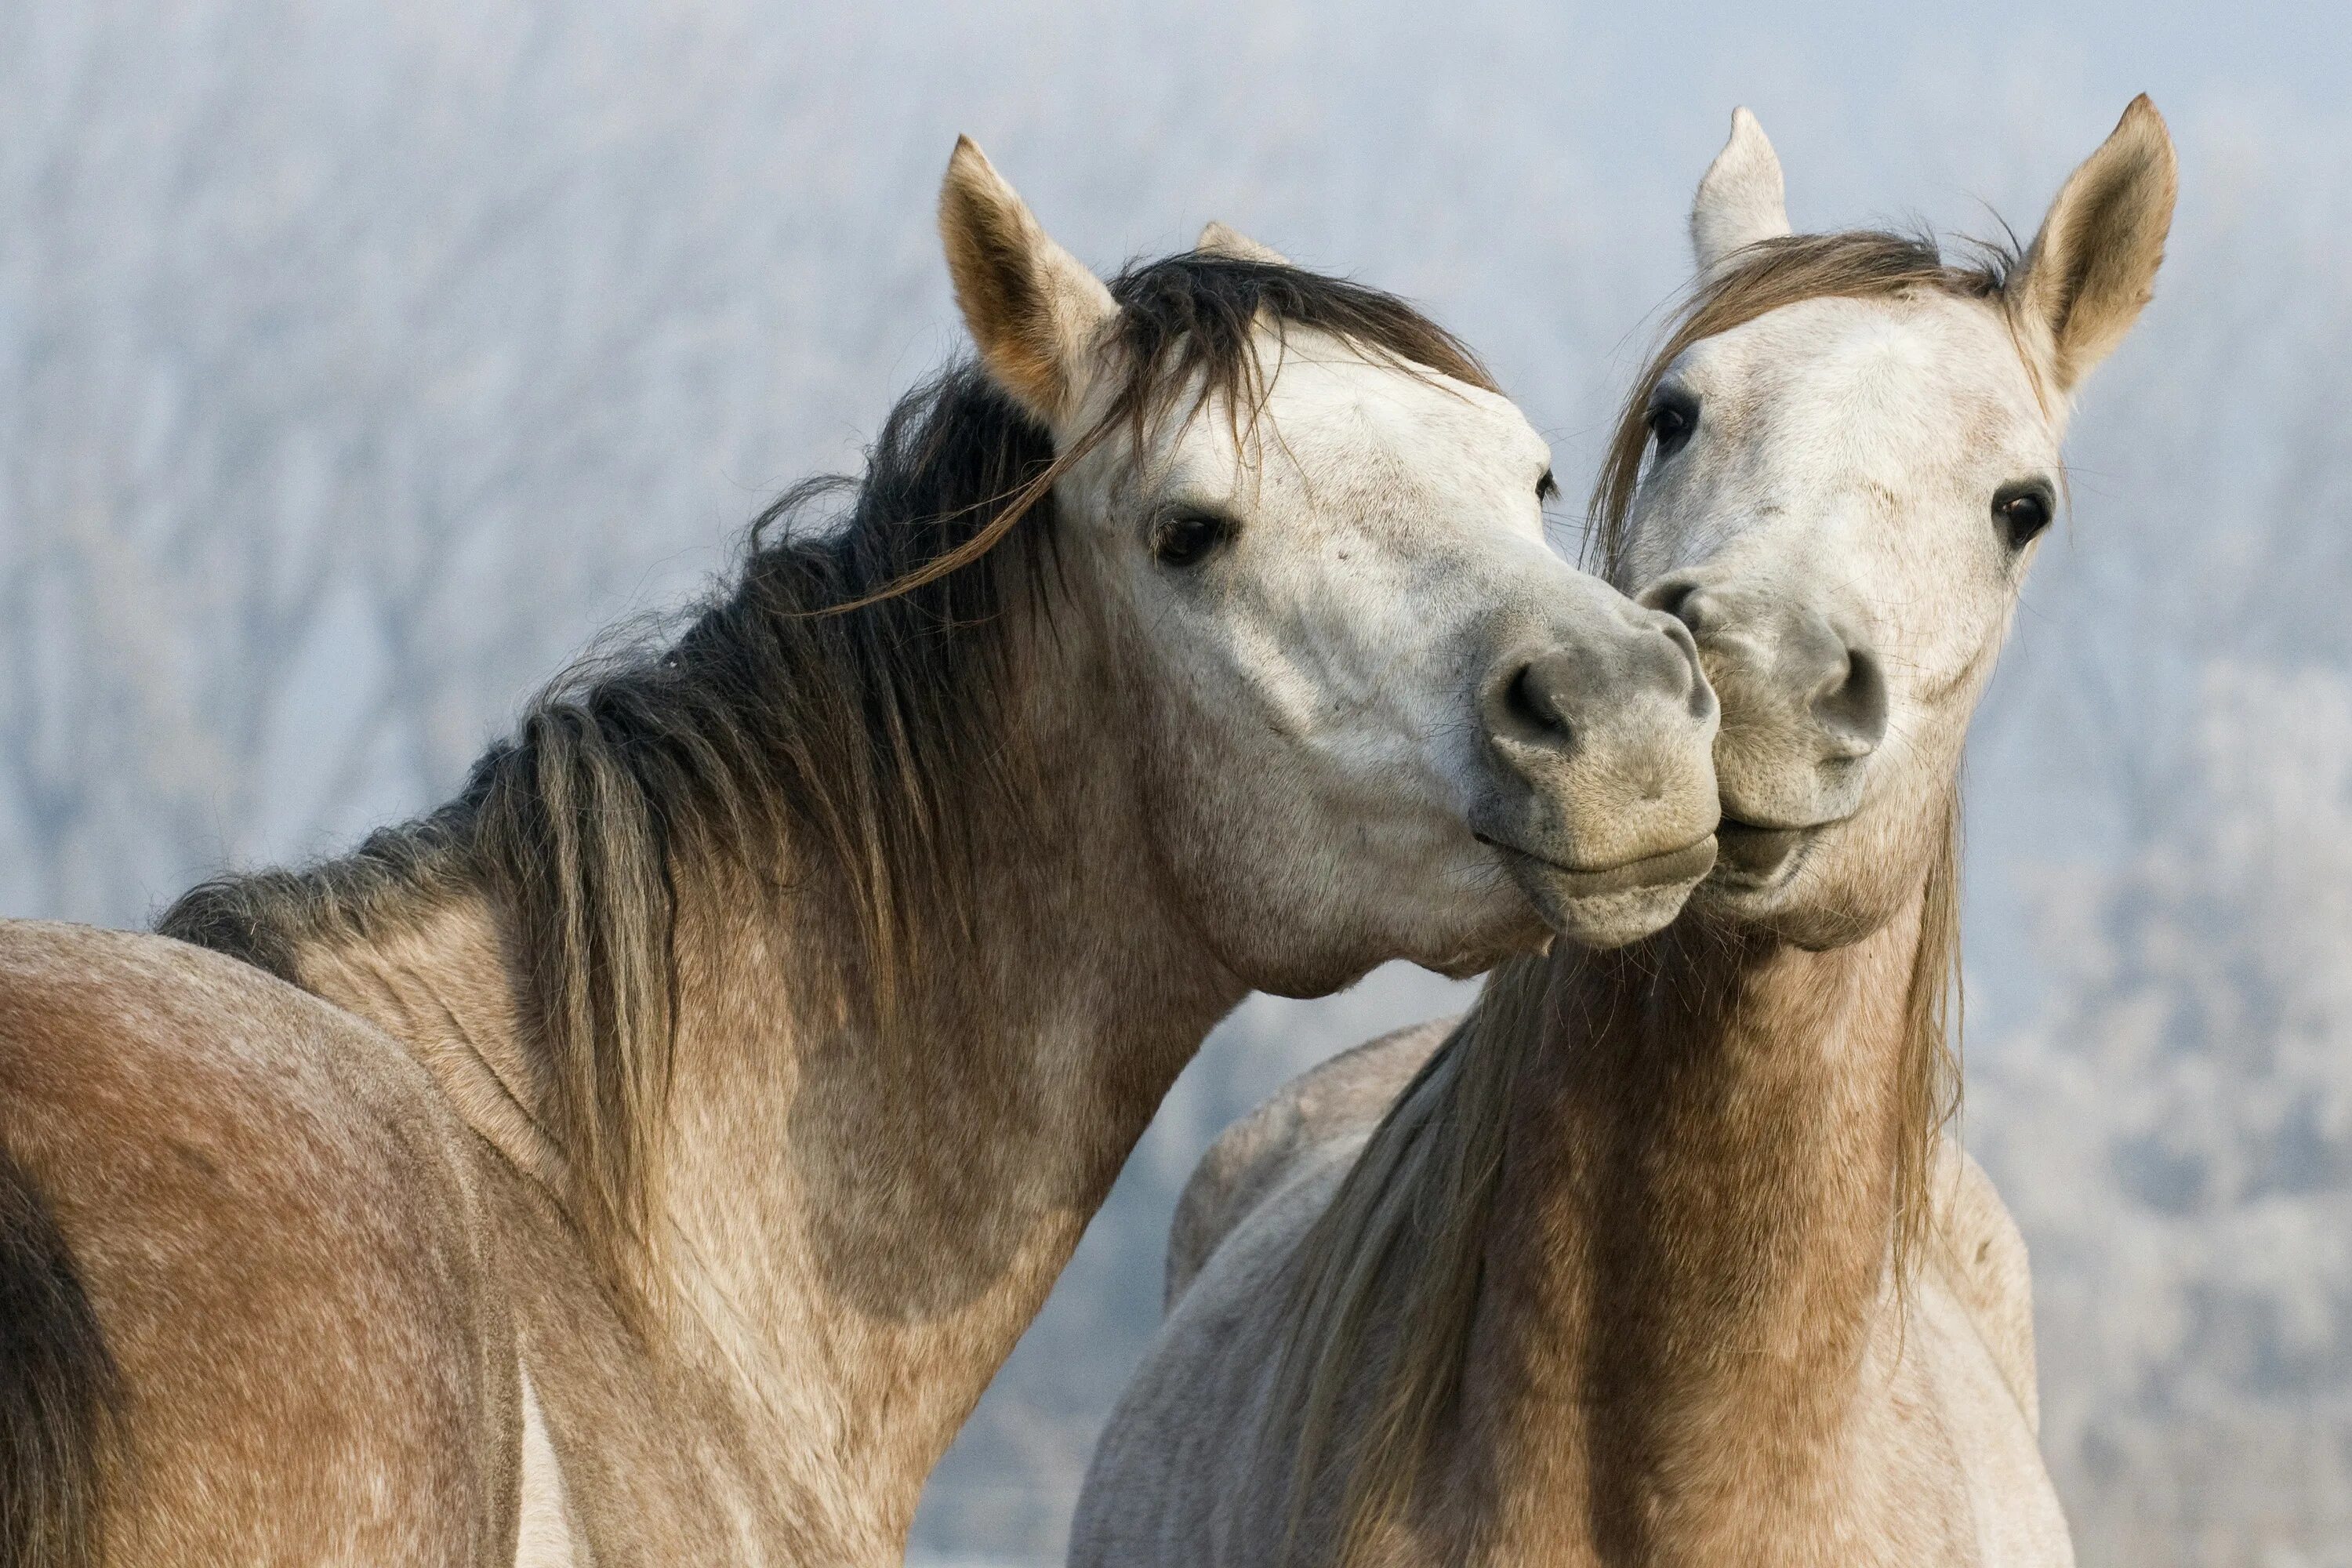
x=837, y=710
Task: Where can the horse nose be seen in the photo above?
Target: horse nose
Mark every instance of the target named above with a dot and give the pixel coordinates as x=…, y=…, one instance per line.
x=1598, y=763
x=1837, y=679
x=1547, y=700
x=1832, y=677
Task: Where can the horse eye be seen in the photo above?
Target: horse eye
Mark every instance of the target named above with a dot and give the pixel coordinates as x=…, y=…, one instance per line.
x=1546, y=488
x=1672, y=420
x=2023, y=513
x=1187, y=538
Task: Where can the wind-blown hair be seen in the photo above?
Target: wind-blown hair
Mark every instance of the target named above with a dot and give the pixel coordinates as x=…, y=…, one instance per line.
x=1406, y=1232
x=839, y=710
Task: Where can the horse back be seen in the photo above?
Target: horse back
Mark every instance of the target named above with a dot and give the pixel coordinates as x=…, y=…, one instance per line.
x=1344, y=1097
x=251, y=1224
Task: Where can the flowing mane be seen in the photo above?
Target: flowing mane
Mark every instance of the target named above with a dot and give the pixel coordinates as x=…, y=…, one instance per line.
x=839, y=705
x=1409, y=1222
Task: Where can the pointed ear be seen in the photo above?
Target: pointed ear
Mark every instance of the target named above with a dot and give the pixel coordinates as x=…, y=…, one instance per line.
x=1033, y=308
x=1741, y=200
x=2093, y=264
x=1218, y=240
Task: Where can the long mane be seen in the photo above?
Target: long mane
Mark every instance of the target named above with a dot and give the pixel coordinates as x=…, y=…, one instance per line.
x=839, y=707
x=1405, y=1237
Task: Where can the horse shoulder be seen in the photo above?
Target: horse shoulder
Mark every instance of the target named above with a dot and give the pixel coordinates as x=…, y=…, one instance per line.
x=1344, y=1096
x=1178, y=1480
x=1984, y=1261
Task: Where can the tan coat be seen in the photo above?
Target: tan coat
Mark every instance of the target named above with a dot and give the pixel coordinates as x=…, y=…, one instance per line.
x=1178, y=1477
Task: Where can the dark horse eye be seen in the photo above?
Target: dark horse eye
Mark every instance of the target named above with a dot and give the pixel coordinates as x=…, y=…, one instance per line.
x=1546, y=488
x=1186, y=538
x=1672, y=418
x=2023, y=511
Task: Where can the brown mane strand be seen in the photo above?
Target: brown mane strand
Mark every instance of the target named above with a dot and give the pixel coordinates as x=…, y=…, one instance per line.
x=839, y=706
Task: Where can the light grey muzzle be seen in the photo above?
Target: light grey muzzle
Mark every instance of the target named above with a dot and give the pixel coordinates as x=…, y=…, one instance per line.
x=1599, y=730
x=1804, y=708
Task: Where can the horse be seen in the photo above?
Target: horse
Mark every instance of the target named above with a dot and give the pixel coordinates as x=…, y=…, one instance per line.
x=649, y=1155
x=1662, y=1254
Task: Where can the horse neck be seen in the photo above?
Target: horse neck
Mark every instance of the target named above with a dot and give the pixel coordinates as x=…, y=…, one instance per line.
x=853, y=1223
x=1700, y=1194
x=863, y=1219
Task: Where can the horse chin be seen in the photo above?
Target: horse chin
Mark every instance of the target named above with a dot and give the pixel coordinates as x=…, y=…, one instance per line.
x=1779, y=881
x=1617, y=904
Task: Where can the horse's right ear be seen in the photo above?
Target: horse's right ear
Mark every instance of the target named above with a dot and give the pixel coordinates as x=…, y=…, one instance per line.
x=1036, y=311
x=2093, y=264
x=1739, y=199
x=1219, y=240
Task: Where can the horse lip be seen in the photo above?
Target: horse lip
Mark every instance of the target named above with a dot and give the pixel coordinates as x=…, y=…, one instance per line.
x=1747, y=825
x=1689, y=863
x=1757, y=854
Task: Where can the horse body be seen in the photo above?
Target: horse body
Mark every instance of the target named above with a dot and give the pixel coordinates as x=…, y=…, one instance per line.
x=650, y=1156
x=286, y=1238
x=1660, y=1256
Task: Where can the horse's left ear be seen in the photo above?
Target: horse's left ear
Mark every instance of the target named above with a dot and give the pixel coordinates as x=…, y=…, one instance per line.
x=1740, y=199
x=2093, y=264
x=1218, y=240
x=1036, y=311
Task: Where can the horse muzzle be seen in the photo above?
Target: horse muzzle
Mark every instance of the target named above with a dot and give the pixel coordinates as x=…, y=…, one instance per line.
x=1599, y=736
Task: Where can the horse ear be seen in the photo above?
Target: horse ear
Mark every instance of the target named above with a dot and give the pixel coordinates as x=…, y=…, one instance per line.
x=1218, y=240
x=1741, y=200
x=2093, y=266
x=1033, y=308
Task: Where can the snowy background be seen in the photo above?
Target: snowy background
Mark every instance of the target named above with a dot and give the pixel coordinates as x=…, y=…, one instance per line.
x=357, y=363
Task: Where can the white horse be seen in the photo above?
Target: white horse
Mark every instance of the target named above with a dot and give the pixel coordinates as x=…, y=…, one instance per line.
x=650, y=1157
x=1662, y=1255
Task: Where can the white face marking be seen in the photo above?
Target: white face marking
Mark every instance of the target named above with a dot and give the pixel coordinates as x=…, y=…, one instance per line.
x=1857, y=446
x=1321, y=669
x=1843, y=471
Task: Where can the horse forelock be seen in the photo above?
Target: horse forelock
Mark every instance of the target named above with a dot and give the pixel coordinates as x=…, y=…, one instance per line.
x=845, y=701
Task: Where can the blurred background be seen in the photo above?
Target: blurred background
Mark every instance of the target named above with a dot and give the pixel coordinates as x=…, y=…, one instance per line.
x=358, y=363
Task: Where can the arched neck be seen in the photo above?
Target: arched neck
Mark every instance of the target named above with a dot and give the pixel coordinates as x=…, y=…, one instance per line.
x=856, y=1209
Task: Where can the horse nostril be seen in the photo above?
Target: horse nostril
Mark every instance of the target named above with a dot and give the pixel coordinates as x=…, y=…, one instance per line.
x=1682, y=669
x=1534, y=703
x=1679, y=597
x=1854, y=709
x=1684, y=677
x=1534, y=699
